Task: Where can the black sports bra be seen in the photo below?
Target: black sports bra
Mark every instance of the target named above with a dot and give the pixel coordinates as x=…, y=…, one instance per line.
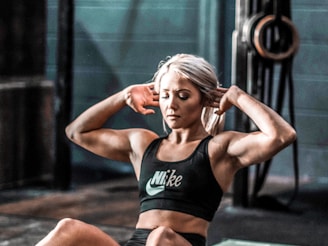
x=187, y=186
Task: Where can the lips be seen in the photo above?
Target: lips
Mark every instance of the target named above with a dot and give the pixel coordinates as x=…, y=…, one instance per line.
x=172, y=116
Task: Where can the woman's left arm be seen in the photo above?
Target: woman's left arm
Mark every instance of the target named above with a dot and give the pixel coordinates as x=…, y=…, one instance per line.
x=273, y=135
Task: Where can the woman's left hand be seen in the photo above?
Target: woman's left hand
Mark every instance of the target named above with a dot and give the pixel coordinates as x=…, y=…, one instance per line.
x=220, y=100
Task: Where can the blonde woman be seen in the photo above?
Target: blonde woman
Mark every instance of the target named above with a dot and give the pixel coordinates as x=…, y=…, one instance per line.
x=182, y=175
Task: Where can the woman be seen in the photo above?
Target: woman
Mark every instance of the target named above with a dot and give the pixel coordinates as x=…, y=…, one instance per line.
x=183, y=175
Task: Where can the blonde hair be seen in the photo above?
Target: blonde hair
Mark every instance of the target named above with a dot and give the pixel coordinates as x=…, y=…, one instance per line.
x=202, y=74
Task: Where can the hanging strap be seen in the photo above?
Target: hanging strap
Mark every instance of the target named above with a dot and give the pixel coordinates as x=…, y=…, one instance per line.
x=275, y=18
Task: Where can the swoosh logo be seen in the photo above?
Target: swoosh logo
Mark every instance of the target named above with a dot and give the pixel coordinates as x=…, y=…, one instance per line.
x=153, y=190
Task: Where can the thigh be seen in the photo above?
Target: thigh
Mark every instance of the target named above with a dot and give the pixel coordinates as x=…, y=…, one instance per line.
x=74, y=232
x=164, y=236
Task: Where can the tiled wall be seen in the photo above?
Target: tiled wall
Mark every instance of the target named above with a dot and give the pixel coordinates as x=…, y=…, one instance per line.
x=311, y=87
x=119, y=42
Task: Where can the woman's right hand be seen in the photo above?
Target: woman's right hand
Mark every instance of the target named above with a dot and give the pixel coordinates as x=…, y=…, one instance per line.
x=139, y=97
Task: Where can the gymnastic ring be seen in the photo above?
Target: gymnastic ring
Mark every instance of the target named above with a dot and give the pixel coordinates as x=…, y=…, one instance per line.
x=258, y=38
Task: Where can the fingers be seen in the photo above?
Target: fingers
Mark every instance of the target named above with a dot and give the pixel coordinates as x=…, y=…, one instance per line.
x=217, y=96
x=147, y=111
x=218, y=100
x=155, y=97
x=222, y=89
x=151, y=89
x=215, y=104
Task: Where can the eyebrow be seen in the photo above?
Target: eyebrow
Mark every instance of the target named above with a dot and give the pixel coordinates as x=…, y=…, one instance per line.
x=179, y=90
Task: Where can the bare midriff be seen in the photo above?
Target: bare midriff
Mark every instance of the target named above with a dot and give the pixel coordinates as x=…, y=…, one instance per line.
x=179, y=222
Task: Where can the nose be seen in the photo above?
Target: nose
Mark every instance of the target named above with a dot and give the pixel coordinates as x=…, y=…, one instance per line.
x=171, y=103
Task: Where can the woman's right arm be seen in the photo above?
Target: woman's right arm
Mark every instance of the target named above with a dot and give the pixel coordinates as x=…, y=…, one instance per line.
x=87, y=129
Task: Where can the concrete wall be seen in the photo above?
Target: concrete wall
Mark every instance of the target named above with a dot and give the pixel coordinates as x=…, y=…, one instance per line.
x=311, y=85
x=120, y=42
x=26, y=98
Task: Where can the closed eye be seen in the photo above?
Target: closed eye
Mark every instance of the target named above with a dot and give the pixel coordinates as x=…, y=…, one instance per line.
x=183, y=96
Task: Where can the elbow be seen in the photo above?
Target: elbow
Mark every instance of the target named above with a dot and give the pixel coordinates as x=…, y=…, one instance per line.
x=291, y=136
x=71, y=134
x=281, y=139
x=288, y=137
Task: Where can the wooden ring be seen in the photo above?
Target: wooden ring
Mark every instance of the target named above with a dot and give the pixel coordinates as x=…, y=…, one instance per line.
x=258, y=38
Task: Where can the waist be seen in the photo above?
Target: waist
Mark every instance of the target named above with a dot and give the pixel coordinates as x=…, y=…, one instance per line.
x=177, y=221
x=199, y=210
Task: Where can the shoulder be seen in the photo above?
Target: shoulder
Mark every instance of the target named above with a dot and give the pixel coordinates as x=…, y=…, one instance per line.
x=140, y=139
x=219, y=143
x=229, y=144
x=224, y=140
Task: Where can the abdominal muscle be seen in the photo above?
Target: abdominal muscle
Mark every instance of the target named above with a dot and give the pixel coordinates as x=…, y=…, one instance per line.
x=177, y=221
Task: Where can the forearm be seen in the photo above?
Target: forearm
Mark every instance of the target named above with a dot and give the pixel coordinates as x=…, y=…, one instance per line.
x=267, y=120
x=96, y=116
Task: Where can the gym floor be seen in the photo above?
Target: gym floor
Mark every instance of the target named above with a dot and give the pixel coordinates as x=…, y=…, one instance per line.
x=28, y=214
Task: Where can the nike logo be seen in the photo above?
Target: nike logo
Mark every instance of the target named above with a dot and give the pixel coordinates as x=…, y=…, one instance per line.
x=153, y=190
x=162, y=179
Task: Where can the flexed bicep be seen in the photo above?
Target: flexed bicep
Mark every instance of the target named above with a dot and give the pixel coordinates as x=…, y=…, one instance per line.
x=107, y=143
x=273, y=134
x=252, y=148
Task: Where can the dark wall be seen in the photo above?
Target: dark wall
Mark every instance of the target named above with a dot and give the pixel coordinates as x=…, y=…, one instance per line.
x=118, y=43
x=26, y=98
x=311, y=84
x=22, y=38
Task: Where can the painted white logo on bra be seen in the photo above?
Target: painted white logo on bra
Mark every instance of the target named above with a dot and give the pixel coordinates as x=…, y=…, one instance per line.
x=162, y=179
x=153, y=190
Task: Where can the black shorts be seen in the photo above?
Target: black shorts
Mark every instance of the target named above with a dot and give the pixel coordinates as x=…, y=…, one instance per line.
x=140, y=236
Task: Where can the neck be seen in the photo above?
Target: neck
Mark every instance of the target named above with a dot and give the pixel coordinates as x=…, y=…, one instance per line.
x=183, y=136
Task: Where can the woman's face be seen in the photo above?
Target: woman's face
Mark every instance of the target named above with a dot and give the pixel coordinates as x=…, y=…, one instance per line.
x=180, y=101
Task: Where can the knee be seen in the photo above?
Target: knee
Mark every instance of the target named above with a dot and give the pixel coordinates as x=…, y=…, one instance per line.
x=160, y=235
x=164, y=231
x=66, y=223
x=66, y=226
x=63, y=233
